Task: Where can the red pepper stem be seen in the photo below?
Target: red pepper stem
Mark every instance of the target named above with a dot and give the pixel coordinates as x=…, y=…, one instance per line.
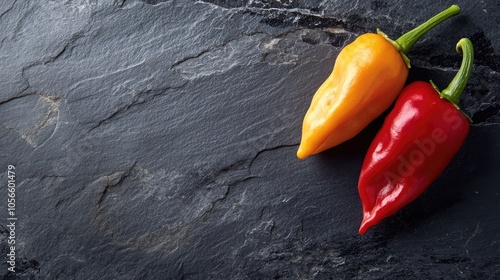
x=409, y=39
x=454, y=90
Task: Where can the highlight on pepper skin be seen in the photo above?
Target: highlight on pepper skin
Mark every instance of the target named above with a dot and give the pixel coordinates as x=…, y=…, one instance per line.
x=418, y=139
x=354, y=94
x=403, y=179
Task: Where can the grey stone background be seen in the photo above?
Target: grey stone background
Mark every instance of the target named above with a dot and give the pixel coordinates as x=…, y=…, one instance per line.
x=157, y=140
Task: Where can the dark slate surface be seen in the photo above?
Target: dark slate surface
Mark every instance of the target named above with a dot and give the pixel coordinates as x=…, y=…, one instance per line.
x=157, y=140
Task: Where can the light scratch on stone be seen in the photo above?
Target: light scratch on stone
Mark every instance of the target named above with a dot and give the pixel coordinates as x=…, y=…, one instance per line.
x=473, y=235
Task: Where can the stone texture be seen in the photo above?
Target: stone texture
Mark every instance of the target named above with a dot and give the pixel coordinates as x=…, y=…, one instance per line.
x=157, y=139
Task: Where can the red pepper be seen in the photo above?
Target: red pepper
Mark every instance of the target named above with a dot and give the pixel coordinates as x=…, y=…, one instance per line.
x=419, y=137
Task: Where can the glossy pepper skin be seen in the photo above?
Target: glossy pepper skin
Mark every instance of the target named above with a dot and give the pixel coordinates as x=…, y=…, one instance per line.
x=366, y=79
x=368, y=75
x=419, y=137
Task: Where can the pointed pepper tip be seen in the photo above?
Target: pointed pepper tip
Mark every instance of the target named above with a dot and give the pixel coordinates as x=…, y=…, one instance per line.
x=301, y=154
x=363, y=228
x=366, y=223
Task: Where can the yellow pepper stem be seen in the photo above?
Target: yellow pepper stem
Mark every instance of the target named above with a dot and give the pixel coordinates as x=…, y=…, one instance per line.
x=404, y=43
x=409, y=39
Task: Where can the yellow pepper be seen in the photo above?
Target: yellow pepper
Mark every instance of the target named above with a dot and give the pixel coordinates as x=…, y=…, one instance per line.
x=367, y=77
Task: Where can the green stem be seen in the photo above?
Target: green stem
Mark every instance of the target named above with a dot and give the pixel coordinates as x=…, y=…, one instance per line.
x=454, y=90
x=409, y=39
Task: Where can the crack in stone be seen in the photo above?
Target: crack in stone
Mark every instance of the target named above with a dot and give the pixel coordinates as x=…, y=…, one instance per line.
x=57, y=55
x=164, y=238
x=214, y=203
x=168, y=237
x=286, y=14
x=266, y=150
x=119, y=3
x=282, y=14
x=227, y=186
x=138, y=99
x=67, y=47
x=8, y=9
x=52, y=179
x=269, y=6
x=484, y=56
x=52, y=112
x=187, y=58
x=112, y=183
x=152, y=2
x=236, y=166
x=67, y=198
x=14, y=98
x=214, y=48
x=336, y=30
x=305, y=18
